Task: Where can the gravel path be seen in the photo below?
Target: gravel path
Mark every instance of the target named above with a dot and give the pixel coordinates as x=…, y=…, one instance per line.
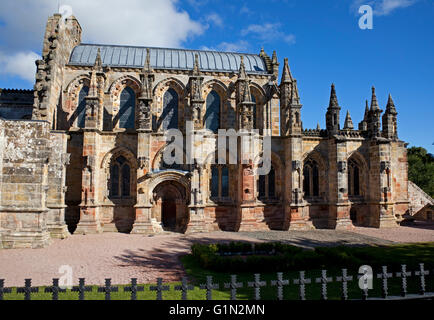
x=121, y=256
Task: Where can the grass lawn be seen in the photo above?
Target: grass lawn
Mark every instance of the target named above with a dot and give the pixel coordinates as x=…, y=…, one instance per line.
x=392, y=256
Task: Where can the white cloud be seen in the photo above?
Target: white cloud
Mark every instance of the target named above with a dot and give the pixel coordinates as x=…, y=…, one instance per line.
x=382, y=7
x=240, y=46
x=215, y=19
x=127, y=22
x=268, y=32
x=21, y=64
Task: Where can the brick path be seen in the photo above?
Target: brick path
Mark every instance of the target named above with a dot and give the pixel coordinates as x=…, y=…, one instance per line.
x=122, y=256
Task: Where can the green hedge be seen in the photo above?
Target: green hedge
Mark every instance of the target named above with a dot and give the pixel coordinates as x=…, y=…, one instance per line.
x=243, y=257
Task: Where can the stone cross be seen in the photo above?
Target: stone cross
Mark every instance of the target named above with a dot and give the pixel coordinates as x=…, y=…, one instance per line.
x=324, y=280
x=108, y=289
x=384, y=275
x=344, y=279
x=257, y=284
x=233, y=285
x=422, y=273
x=27, y=289
x=55, y=289
x=209, y=286
x=159, y=288
x=403, y=275
x=81, y=288
x=134, y=288
x=184, y=287
x=302, y=281
x=279, y=283
x=3, y=290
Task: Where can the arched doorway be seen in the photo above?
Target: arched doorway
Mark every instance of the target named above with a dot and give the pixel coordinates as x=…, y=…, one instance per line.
x=170, y=206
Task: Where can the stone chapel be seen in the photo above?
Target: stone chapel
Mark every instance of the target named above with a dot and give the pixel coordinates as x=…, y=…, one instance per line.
x=82, y=152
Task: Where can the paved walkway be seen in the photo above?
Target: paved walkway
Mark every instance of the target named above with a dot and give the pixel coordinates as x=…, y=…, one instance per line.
x=122, y=256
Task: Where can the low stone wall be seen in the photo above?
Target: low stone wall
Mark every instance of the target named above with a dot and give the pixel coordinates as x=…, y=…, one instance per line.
x=25, y=152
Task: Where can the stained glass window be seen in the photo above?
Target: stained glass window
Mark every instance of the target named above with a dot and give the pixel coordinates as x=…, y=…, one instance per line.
x=170, y=110
x=127, y=108
x=81, y=109
x=212, y=115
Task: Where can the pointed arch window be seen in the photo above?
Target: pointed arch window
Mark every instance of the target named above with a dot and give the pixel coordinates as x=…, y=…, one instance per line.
x=212, y=115
x=169, y=117
x=311, y=178
x=353, y=178
x=267, y=185
x=127, y=108
x=120, y=178
x=81, y=108
x=219, y=184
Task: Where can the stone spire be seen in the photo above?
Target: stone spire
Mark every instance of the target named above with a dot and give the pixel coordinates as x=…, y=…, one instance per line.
x=275, y=64
x=333, y=113
x=348, y=122
x=390, y=124
x=366, y=111
x=374, y=117
x=245, y=106
x=196, y=69
x=333, y=98
x=286, y=75
x=98, y=62
x=290, y=103
x=242, y=75
x=363, y=125
x=147, y=65
x=318, y=127
x=390, y=108
x=374, y=102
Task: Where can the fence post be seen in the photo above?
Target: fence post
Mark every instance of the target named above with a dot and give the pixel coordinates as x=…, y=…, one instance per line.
x=27, y=289
x=134, y=288
x=159, y=288
x=233, y=285
x=209, y=286
x=257, y=284
x=3, y=290
x=279, y=283
x=324, y=280
x=344, y=278
x=108, y=289
x=403, y=275
x=302, y=281
x=184, y=287
x=384, y=275
x=55, y=289
x=422, y=273
x=81, y=288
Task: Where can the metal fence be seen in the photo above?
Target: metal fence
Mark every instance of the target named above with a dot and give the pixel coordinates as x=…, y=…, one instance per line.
x=279, y=283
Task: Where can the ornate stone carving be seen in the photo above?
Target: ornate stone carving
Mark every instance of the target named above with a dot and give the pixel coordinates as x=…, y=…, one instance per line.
x=296, y=165
x=385, y=166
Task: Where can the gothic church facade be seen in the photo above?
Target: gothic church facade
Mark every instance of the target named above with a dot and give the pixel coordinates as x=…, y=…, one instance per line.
x=90, y=159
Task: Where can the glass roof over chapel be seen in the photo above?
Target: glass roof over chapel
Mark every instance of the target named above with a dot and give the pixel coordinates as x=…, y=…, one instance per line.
x=165, y=58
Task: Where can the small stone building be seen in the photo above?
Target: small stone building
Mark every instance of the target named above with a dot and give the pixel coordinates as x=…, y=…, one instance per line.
x=90, y=160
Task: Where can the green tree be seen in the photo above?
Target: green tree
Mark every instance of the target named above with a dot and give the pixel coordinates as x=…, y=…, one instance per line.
x=421, y=169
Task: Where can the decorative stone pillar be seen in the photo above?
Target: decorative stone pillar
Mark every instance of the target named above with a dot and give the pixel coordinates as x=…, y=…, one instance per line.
x=58, y=162
x=339, y=208
x=196, y=208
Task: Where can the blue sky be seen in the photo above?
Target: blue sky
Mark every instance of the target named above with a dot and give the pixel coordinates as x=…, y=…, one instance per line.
x=322, y=40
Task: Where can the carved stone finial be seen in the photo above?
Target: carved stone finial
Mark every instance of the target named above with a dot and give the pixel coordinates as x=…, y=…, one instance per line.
x=374, y=102
x=348, y=122
x=242, y=73
x=390, y=108
x=196, y=69
x=333, y=98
